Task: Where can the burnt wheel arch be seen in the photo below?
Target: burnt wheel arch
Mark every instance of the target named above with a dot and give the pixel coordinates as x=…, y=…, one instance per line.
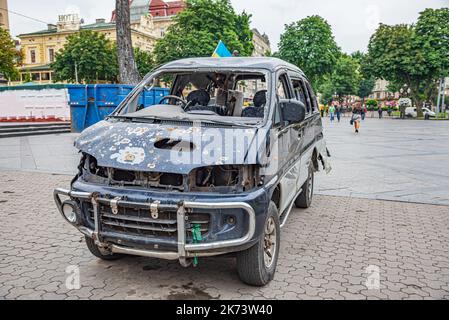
x=276, y=196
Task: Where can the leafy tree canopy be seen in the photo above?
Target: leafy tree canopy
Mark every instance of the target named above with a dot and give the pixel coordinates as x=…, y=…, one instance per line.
x=367, y=81
x=9, y=56
x=366, y=87
x=309, y=44
x=390, y=53
x=432, y=38
x=415, y=55
x=346, y=76
x=95, y=58
x=198, y=29
x=144, y=61
x=344, y=80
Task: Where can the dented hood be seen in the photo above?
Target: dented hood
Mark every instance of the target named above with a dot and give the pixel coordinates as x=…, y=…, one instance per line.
x=134, y=146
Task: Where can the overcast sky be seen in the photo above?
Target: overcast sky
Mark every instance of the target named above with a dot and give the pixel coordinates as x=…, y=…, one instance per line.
x=352, y=21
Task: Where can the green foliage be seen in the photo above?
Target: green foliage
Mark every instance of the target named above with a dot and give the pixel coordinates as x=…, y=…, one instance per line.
x=309, y=44
x=442, y=115
x=371, y=103
x=390, y=52
x=394, y=86
x=358, y=56
x=326, y=92
x=198, y=29
x=415, y=55
x=9, y=56
x=367, y=81
x=432, y=39
x=366, y=86
x=27, y=78
x=244, y=33
x=346, y=76
x=96, y=59
x=144, y=61
x=344, y=79
x=94, y=55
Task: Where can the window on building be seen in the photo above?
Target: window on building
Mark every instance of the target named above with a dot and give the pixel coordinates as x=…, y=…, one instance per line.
x=45, y=76
x=51, y=55
x=35, y=77
x=33, y=56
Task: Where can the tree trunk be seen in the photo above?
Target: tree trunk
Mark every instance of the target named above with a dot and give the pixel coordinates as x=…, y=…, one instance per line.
x=125, y=53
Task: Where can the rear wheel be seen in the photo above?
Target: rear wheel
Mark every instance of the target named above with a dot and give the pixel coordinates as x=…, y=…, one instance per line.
x=101, y=252
x=304, y=200
x=256, y=266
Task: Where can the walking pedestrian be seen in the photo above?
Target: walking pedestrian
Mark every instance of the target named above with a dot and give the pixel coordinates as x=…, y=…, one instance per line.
x=379, y=110
x=338, y=112
x=363, y=111
x=356, y=118
x=322, y=110
x=332, y=112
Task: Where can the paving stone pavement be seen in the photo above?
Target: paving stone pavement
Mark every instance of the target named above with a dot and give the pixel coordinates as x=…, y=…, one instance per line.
x=399, y=160
x=328, y=251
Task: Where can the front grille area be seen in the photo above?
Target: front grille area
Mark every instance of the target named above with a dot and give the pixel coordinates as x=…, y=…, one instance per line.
x=138, y=222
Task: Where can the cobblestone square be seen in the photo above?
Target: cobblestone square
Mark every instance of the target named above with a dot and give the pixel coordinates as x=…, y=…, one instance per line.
x=328, y=251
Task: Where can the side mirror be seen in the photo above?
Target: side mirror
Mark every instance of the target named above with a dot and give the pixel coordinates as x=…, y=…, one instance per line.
x=293, y=111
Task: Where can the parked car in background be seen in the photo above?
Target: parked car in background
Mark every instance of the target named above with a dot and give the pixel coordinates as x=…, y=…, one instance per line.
x=411, y=112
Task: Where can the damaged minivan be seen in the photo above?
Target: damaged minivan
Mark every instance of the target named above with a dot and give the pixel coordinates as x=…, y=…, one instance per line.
x=214, y=168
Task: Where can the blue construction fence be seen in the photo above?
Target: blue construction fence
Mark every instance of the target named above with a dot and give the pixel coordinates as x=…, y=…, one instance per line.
x=91, y=103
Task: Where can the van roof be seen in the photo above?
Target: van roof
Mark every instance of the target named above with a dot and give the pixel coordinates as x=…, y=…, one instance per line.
x=271, y=64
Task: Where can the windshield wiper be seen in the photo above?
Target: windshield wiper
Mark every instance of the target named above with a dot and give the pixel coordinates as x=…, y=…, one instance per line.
x=154, y=118
x=227, y=123
x=133, y=119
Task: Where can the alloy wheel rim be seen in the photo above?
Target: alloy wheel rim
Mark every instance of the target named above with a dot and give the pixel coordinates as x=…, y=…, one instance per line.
x=269, y=242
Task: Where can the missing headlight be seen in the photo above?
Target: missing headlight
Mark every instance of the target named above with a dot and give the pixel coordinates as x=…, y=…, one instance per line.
x=224, y=178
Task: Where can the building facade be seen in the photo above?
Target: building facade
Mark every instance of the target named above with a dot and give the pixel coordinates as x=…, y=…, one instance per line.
x=149, y=22
x=382, y=94
x=4, y=14
x=261, y=44
x=162, y=12
x=40, y=47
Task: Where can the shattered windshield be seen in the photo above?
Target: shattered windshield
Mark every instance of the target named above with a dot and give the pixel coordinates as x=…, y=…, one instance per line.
x=211, y=96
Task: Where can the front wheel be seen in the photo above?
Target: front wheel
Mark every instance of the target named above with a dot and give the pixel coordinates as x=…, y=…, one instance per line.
x=100, y=252
x=256, y=266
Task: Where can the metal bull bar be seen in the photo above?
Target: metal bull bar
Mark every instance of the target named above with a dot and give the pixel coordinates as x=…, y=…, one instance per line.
x=185, y=250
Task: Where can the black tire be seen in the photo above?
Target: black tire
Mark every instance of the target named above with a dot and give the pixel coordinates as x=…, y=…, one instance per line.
x=251, y=265
x=93, y=248
x=304, y=200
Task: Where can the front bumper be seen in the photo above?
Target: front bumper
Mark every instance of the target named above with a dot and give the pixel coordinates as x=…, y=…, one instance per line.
x=184, y=250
